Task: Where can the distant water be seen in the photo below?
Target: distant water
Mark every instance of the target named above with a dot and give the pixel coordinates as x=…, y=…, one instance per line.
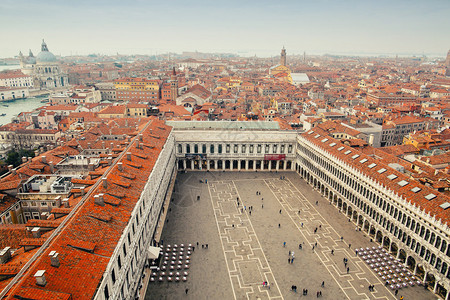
x=17, y=106
x=9, y=67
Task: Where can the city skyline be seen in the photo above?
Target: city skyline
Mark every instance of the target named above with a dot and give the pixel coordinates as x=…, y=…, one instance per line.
x=249, y=28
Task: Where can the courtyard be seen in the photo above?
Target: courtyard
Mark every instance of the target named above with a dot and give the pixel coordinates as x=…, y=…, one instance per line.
x=254, y=223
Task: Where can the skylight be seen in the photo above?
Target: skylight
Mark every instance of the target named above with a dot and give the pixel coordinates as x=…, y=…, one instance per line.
x=445, y=205
x=340, y=148
x=430, y=196
x=355, y=156
x=392, y=176
x=402, y=183
x=363, y=160
x=317, y=135
x=372, y=165
x=381, y=171
x=416, y=189
x=332, y=144
x=347, y=152
x=324, y=140
x=311, y=132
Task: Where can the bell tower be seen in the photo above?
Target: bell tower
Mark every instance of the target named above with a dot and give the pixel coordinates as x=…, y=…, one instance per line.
x=173, y=85
x=283, y=57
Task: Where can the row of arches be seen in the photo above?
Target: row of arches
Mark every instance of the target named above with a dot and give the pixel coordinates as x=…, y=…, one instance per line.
x=234, y=164
x=405, y=244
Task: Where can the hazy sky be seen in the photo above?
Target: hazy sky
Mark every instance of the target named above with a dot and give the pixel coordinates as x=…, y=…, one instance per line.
x=248, y=27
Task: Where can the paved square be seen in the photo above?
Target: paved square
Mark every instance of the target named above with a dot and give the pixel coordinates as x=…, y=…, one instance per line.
x=246, y=233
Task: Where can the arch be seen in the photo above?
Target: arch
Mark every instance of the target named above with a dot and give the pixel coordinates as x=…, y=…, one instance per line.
x=386, y=242
x=430, y=279
x=411, y=262
x=379, y=236
x=220, y=164
x=402, y=255
x=366, y=226
x=211, y=164
x=394, y=249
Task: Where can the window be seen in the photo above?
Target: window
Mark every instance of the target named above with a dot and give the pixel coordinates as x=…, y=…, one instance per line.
x=290, y=149
x=235, y=150
x=106, y=292
x=275, y=148
x=244, y=148
x=113, y=276
x=228, y=148
x=258, y=149
x=188, y=148
x=196, y=148
x=267, y=149
x=203, y=148
x=251, y=148
x=220, y=148
x=282, y=147
x=119, y=262
x=211, y=148
x=44, y=204
x=180, y=148
x=35, y=215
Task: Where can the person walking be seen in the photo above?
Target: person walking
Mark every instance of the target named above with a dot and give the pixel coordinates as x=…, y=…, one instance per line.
x=186, y=291
x=323, y=283
x=284, y=244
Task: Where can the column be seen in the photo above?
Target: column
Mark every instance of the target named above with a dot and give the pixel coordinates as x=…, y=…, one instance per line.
x=270, y=165
x=231, y=164
x=262, y=165
x=398, y=253
x=435, y=286
x=285, y=164
x=278, y=165
x=415, y=269
x=246, y=164
x=184, y=164
x=239, y=164
x=215, y=164
x=223, y=165
x=447, y=295
x=406, y=261
x=207, y=166
x=425, y=276
x=254, y=165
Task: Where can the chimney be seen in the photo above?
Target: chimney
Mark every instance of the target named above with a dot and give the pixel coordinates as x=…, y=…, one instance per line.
x=109, y=161
x=40, y=278
x=112, y=146
x=10, y=168
x=82, y=190
x=52, y=168
x=5, y=255
x=129, y=156
x=103, y=144
x=54, y=259
x=141, y=137
x=105, y=182
x=137, y=144
x=89, y=145
x=36, y=153
x=120, y=166
x=29, y=158
x=91, y=166
x=44, y=159
x=129, y=139
x=14, y=171
x=98, y=199
x=65, y=202
x=24, y=159
x=58, y=201
x=36, y=231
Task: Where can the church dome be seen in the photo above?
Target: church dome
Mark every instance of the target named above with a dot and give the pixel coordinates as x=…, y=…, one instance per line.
x=45, y=55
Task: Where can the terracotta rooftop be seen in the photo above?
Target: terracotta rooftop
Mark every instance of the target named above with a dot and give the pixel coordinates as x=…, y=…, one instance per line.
x=89, y=238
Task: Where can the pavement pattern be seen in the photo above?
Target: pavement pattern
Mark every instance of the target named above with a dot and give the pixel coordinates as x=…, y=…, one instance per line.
x=248, y=247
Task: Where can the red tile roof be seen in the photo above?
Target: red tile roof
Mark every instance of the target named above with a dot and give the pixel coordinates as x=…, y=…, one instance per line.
x=89, y=231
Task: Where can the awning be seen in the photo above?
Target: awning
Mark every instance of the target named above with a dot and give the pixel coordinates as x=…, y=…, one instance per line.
x=153, y=252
